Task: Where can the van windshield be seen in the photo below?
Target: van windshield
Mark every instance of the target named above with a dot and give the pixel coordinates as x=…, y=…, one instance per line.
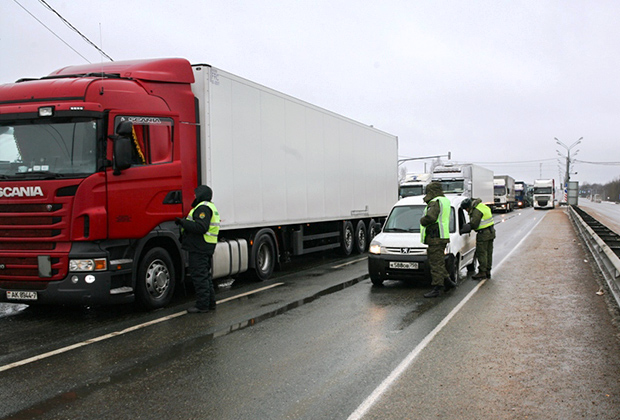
x=405, y=219
x=31, y=149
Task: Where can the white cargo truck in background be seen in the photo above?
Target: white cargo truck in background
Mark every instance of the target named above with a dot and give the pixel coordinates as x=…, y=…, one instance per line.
x=288, y=177
x=466, y=179
x=414, y=184
x=504, y=192
x=544, y=194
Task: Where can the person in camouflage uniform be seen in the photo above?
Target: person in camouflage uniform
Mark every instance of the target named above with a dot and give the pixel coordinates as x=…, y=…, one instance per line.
x=435, y=232
x=481, y=220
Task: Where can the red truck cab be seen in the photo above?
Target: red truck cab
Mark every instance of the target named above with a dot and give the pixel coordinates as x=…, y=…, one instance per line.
x=73, y=231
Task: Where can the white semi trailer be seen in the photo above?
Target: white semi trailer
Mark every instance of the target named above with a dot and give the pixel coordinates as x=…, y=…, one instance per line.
x=466, y=179
x=289, y=178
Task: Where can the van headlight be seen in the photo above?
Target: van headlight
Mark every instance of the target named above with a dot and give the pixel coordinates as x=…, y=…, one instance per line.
x=375, y=249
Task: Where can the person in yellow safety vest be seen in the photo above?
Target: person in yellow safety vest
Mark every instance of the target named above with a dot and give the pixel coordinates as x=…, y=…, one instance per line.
x=481, y=220
x=199, y=232
x=435, y=232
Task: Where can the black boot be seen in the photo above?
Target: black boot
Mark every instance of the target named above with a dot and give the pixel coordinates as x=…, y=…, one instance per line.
x=433, y=293
x=480, y=276
x=448, y=284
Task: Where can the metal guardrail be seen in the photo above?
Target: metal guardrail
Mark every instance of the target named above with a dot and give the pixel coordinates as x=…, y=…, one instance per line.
x=604, y=245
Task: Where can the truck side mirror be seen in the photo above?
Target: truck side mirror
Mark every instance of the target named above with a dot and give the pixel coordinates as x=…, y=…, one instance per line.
x=122, y=150
x=124, y=129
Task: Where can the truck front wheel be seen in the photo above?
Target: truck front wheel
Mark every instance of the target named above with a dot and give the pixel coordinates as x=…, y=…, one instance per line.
x=155, y=281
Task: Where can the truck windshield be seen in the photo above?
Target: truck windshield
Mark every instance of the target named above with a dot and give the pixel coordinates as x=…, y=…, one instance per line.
x=54, y=149
x=453, y=186
x=405, y=219
x=542, y=190
x=499, y=190
x=411, y=190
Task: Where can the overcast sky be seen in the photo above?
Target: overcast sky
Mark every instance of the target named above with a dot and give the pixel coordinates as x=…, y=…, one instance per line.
x=492, y=82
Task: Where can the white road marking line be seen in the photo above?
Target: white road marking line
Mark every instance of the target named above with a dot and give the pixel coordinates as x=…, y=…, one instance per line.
x=249, y=293
x=117, y=333
x=387, y=382
x=350, y=262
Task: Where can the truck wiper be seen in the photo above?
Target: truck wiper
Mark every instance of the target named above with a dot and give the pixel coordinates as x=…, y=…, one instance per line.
x=39, y=175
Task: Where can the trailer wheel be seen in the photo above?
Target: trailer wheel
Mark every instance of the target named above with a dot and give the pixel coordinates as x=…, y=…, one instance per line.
x=373, y=230
x=156, y=279
x=347, y=239
x=264, y=256
x=360, y=237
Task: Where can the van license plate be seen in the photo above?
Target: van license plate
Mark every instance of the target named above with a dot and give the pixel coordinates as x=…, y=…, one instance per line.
x=21, y=295
x=404, y=265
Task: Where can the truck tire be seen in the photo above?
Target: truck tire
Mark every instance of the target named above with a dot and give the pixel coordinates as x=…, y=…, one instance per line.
x=373, y=230
x=156, y=279
x=264, y=257
x=347, y=239
x=361, y=239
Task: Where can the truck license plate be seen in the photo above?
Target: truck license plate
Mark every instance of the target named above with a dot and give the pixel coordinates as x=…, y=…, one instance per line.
x=404, y=265
x=21, y=295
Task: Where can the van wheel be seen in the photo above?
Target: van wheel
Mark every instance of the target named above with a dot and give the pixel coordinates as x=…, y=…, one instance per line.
x=452, y=264
x=376, y=279
x=156, y=279
x=360, y=238
x=347, y=239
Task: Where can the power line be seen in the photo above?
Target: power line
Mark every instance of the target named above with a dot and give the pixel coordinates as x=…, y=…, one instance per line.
x=516, y=162
x=51, y=31
x=598, y=163
x=75, y=29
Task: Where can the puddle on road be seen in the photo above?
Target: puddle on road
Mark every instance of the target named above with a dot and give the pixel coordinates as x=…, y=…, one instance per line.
x=418, y=309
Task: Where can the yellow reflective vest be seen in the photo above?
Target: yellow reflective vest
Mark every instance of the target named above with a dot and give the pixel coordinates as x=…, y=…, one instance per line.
x=443, y=219
x=214, y=224
x=487, y=216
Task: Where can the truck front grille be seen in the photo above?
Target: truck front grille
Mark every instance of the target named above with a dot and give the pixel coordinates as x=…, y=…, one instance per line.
x=30, y=230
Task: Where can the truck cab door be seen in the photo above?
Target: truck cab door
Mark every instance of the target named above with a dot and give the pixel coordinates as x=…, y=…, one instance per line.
x=148, y=192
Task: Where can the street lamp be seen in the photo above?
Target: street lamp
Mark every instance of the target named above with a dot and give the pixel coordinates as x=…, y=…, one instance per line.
x=568, y=161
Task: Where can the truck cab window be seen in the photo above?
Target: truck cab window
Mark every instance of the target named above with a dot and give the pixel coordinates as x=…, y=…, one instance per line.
x=60, y=147
x=151, y=139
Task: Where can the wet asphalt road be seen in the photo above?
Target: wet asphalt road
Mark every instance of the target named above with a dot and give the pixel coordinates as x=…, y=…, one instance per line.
x=314, y=345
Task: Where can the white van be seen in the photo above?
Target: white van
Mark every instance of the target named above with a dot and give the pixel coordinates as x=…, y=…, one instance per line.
x=397, y=253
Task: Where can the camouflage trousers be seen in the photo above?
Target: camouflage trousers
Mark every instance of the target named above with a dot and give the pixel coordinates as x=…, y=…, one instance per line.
x=436, y=260
x=484, y=255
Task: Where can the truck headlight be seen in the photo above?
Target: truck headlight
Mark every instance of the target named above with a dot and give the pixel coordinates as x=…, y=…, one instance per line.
x=97, y=264
x=375, y=249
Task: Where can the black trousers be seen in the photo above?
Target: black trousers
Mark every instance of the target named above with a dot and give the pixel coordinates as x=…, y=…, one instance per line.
x=202, y=276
